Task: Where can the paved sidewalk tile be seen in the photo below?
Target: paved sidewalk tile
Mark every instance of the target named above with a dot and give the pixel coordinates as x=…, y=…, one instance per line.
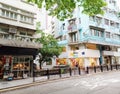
x=8, y=84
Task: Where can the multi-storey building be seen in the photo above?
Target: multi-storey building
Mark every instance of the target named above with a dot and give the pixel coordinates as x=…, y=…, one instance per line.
x=17, y=44
x=91, y=40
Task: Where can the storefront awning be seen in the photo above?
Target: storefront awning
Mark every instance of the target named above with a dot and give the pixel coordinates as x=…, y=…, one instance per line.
x=84, y=53
x=89, y=53
x=111, y=53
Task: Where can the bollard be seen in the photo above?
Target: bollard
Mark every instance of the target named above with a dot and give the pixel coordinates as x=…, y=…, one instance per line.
x=101, y=67
x=87, y=71
x=95, y=69
x=79, y=70
x=111, y=67
x=60, y=72
x=107, y=67
x=116, y=67
x=48, y=76
x=70, y=70
x=33, y=75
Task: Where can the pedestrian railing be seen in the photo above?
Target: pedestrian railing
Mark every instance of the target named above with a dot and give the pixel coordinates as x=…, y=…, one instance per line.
x=67, y=72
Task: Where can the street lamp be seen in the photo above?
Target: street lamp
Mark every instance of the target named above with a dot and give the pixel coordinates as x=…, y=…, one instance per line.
x=54, y=57
x=37, y=58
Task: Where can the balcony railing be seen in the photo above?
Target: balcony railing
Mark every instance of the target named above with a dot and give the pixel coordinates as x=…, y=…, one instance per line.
x=72, y=28
x=71, y=42
x=18, y=41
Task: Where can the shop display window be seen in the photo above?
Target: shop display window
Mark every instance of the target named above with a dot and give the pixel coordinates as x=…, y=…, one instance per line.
x=93, y=62
x=21, y=66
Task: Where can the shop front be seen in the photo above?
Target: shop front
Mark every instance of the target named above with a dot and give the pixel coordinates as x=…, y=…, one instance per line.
x=84, y=58
x=16, y=62
x=61, y=61
x=111, y=57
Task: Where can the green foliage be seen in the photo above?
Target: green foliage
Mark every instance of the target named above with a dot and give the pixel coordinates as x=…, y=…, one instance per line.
x=93, y=7
x=63, y=9
x=50, y=47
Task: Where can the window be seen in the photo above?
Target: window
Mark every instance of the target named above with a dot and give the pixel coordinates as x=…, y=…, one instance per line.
x=100, y=34
x=3, y=12
x=11, y=15
x=113, y=2
x=92, y=32
x=92, y=18
x=112, y=23
x=26, y=19
x=107, y=34
x=95, y=32
x=8, y=14
x=4, y=29
x=63, y=26
x=98, y=20
x=72, y=24
x=106, y=22
x=22, y=33
x=116, y=36
x=73, y=37
x=117, y=25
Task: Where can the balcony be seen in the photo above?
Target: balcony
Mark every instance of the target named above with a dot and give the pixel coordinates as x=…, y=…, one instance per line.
x=18, y=41
x=72, y=29
x=98, y=24
x=73, y=42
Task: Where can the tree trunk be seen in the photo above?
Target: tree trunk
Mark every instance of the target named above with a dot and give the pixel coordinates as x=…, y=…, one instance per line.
x=40, y=65
x=40, y=61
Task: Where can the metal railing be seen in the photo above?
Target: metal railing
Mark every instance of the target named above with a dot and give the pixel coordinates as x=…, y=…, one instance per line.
x=68, y=72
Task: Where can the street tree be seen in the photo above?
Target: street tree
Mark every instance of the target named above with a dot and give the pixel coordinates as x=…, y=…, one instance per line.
x=50, y=47
x=63, y=9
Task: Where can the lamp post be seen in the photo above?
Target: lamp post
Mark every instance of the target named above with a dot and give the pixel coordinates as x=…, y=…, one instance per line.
x=54, y=61
x=37, y=58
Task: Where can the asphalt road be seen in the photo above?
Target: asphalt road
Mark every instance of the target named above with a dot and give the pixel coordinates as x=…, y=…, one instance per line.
x=102, y=83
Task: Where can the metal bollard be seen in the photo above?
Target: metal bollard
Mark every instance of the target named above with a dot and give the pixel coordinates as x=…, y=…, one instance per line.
x=87, y=71
x=101, y=67
x=116, y=67
x=48, y=76
x=70, y=70
x=95, y=69
x=33, y=75
x=79, y=70
x=60, y=72
x=111, y=67
x=107, y=67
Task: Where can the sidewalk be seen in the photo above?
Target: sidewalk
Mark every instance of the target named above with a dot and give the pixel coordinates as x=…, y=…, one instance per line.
x=4, y=85
x=13, y=83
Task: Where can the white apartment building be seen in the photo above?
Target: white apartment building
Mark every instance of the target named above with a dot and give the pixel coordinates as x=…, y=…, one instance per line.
x=90, y=41
x=17, y=45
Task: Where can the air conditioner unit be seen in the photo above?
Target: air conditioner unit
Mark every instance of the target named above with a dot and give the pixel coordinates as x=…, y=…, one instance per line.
x=12, y=30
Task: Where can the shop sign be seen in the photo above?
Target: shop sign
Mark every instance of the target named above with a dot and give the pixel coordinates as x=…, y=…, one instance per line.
x=83, y=53
x=75, y=54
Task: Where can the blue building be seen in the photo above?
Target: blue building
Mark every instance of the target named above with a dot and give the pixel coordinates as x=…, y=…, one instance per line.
x=91, y=40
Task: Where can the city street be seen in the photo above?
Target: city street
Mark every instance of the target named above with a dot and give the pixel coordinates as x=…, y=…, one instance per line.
x=101, y=83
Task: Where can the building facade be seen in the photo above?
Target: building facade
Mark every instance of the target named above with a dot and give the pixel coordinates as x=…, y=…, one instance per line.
x=17, y=44
x=91, y=40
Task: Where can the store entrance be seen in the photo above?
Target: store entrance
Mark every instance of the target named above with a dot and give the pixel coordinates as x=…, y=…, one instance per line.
x=107, y=60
